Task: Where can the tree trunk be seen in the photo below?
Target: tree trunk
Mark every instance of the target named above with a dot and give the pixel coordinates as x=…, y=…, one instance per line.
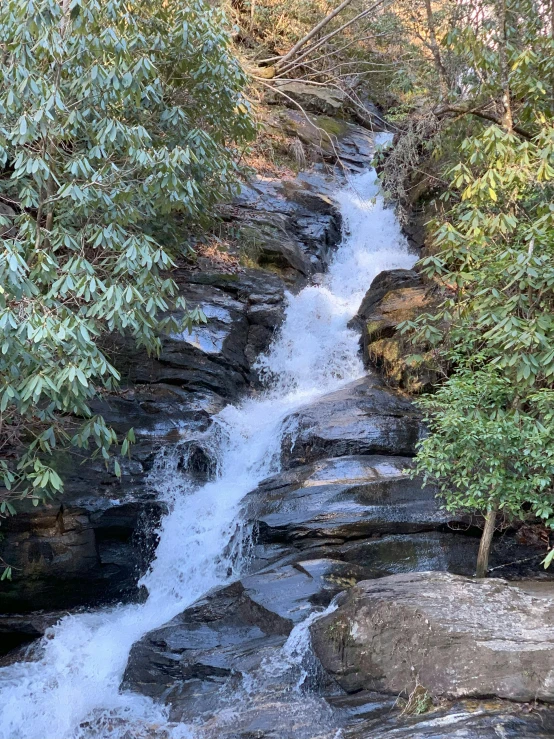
x=552, y=40
x=486, y=541
x=435, y=50
x=507, y=118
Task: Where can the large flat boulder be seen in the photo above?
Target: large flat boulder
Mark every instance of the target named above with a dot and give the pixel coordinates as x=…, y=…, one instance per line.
x=455, y=636
x=364, y=417
x=342, y=499
x=316, y=99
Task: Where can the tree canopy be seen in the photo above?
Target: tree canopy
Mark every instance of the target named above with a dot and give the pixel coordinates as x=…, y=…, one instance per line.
x=491, y=423
x=114, y=115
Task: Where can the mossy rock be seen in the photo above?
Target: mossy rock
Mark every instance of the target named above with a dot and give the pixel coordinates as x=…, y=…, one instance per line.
x=332, y=126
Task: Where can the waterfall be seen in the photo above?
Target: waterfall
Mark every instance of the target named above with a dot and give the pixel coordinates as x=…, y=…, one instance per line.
x=72, y=688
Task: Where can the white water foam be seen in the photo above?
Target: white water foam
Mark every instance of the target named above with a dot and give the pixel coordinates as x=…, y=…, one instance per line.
x=72, y=690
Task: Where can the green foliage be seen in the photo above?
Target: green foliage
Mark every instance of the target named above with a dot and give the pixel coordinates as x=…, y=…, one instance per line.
x=484, y=450
x=114, y=114
x=491, y=426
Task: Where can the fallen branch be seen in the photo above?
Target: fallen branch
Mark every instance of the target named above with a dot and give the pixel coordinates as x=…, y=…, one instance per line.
x=325, y=39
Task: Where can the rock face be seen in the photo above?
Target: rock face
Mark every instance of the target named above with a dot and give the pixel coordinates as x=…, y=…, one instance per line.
x=290, y=225
x=315, y=99
x=457, y=637
x=329, y=138
x=342, y=499
x=243, y=312
x=92, y=545
x=372, y=716
x=362, y=418
x=228, y=633
x=393, y=297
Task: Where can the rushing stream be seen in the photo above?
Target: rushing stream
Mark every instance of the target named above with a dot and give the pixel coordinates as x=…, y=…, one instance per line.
x=71, y=690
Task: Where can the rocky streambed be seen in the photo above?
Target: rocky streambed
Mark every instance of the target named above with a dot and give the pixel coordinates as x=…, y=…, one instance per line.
x=268, y=567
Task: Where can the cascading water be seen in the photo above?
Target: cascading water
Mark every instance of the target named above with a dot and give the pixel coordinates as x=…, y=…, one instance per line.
x=71, y=689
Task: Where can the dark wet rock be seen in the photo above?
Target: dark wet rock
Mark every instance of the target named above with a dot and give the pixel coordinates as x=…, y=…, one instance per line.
x=340, y=499
x=364, y=417
x=458, y=637
x=92, y=544
x=67, y=555
x=19, y=630
x=291, y=225
x=208, y=642
x=390, y=554
x=369, y=115
x=243, y=312
x=188, y=662
x=447, y=551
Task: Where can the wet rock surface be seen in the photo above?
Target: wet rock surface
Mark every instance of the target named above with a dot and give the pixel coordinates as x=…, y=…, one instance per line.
x=291, y=225
x=243, y=311
x=374, y=716
x=92, y=544
x=342, y=512
x=227, y=635
x=343, y=498
x=362, y=418
x=328, y=138
x=458, y=637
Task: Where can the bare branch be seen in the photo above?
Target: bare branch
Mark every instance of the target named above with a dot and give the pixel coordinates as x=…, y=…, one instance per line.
x=329, y=36
x=315, y=30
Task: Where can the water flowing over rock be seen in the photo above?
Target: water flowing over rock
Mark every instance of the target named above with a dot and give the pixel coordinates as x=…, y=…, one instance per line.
x=454, y=636
x=229, y=633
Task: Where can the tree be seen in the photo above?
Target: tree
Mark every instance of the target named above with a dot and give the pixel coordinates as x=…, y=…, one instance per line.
x=491, y=429
x=114, y=115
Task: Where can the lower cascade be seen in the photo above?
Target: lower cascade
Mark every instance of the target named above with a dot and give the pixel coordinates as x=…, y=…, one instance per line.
x=71, y=688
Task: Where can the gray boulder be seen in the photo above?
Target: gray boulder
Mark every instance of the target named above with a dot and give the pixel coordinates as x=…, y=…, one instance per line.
x=362, y=418
x=313, y=98
x=457, y=637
